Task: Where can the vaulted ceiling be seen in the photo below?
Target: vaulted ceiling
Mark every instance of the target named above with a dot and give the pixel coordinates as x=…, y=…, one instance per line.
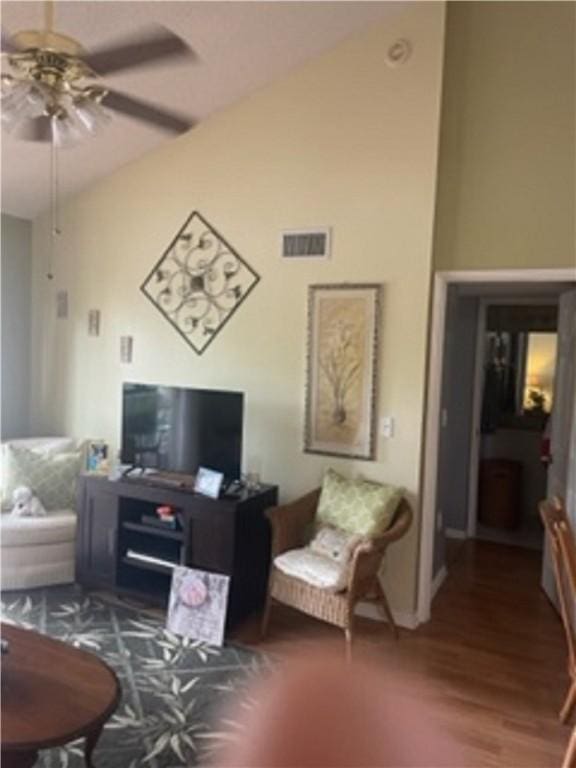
x=240, y=47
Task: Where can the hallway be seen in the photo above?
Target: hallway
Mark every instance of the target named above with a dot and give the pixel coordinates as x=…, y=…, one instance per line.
x=494, y=654
x=504, y=657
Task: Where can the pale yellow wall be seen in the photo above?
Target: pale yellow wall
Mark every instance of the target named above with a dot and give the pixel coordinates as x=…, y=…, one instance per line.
x=345, y=141
x=507, y=163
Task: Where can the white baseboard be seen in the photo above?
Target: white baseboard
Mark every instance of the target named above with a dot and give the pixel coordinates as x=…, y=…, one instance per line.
x=455, y=533
x=405, y=619
x=438, y=580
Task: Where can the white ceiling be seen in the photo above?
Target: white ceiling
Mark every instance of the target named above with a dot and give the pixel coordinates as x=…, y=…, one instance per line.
x=240, y=47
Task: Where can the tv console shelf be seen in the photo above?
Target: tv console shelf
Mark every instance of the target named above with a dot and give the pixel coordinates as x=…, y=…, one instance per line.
x=166, y=533
x=227, y=535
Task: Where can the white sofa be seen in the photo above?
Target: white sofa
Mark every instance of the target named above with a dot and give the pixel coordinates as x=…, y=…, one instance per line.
x=38, y=551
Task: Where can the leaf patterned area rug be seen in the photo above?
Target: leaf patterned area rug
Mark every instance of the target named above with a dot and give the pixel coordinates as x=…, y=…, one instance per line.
x=172, y=688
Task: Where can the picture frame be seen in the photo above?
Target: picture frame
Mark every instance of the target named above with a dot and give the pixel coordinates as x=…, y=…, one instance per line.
x=62, y=304
x=126, y=349
x=93, y=322
x=97, y=457
x=208, y=482
x=198, y=604
x=342, y=367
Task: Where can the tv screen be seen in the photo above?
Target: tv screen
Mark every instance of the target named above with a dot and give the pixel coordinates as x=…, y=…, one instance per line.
x=178, y=430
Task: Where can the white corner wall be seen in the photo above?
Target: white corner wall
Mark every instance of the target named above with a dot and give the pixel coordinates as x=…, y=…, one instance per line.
x=345, y=142
x=16, y=278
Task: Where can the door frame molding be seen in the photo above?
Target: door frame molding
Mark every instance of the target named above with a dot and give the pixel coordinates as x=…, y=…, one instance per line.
x=436, y=343
x=474, y=454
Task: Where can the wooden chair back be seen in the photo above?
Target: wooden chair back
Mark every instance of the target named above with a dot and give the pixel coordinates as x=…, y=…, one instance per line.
x=563, y=547
x=368, y=556
x=400, y=524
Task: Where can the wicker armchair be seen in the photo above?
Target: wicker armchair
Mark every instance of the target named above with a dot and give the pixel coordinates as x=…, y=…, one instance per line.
x=291, y=525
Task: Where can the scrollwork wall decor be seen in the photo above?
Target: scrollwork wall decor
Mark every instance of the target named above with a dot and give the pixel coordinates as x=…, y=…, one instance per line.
x=199, y=282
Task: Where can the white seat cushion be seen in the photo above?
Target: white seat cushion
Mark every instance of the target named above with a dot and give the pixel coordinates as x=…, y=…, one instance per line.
x=320, y=571
x=58, y=526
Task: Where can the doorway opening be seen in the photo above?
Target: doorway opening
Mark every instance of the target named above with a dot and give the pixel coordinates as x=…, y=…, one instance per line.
x=518, y=351
x=493, y=363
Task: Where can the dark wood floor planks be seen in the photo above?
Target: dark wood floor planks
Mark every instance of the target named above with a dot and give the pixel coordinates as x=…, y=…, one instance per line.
x=494, y=654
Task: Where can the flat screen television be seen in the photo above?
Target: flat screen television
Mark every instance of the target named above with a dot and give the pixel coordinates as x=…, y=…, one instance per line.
x=172, y=429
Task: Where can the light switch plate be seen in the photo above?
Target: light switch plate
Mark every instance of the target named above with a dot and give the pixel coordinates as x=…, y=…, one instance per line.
x=387, y=426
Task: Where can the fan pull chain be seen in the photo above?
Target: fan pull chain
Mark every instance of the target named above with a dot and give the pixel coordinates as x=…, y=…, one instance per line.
x=54, y=199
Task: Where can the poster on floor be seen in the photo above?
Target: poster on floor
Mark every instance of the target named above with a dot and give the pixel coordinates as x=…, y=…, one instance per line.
x=198, y=603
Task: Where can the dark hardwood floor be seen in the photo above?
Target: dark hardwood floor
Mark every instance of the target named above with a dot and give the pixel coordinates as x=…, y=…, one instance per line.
x=493, y=654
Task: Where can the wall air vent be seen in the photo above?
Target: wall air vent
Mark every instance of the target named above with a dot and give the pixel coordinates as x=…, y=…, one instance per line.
x=306, y=243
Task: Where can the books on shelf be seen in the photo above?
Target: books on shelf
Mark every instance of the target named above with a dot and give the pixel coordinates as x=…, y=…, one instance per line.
x=159, y=522
x=142, y=557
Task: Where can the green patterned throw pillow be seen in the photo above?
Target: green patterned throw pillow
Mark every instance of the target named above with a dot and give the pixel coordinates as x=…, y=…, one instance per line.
x=51, y=477
x=357, y=506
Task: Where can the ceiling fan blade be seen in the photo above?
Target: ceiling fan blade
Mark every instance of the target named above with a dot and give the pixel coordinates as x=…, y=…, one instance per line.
x=148, y=113
x=35, y=129
x=153, y=45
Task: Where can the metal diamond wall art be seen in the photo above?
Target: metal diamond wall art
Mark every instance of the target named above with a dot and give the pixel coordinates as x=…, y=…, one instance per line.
x=199, y=282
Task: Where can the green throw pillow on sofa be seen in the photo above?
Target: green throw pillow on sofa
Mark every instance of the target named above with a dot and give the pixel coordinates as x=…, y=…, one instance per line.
x=52, y=477
x=357, y=506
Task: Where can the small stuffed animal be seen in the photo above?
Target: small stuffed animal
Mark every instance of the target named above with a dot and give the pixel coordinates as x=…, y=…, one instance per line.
x=26, y=503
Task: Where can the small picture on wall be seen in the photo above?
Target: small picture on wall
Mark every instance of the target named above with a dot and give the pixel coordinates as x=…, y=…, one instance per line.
x=198, y=604
x=97, y=456
x=61, y=304
x=93, y=322
x=126, y=349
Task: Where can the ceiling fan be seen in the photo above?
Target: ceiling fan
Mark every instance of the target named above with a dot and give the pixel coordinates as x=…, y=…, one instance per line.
x=53, y=89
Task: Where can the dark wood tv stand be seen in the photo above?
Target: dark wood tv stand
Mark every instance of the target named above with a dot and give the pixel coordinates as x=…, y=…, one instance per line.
x=227, y=535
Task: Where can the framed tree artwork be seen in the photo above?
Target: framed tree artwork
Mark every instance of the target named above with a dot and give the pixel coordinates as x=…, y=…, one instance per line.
x=343, y=323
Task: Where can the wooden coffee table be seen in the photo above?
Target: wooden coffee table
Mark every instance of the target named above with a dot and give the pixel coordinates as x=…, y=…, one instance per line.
x=51, y=694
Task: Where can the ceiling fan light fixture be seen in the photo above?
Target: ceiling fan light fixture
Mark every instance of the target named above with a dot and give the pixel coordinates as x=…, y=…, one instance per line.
x=66, y=132
x=20, y=100
x=6, y=83
x=53, y=92
x=90, y=113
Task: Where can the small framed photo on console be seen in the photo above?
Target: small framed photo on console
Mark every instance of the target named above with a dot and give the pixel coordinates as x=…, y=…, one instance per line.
x=97, y=457
x=208, y=482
